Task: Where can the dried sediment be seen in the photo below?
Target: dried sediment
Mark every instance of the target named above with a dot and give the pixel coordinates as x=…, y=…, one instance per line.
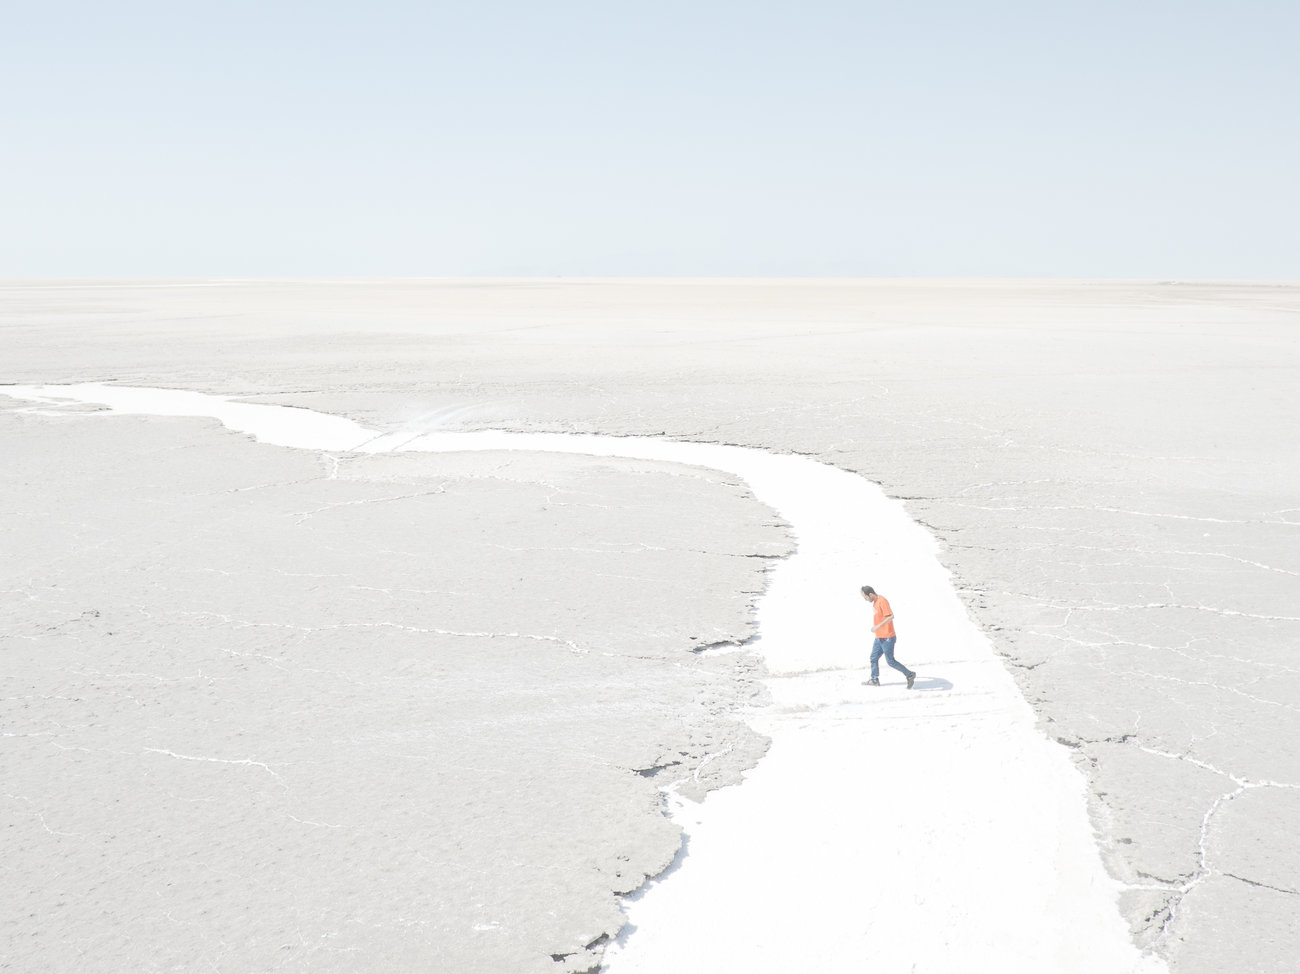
x=266, y=707
x=1107, y=466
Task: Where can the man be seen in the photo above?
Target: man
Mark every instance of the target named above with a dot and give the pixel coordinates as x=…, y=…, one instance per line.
x=882, y=624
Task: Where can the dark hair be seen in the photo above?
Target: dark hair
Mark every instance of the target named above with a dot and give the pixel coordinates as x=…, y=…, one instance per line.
x=868, y=590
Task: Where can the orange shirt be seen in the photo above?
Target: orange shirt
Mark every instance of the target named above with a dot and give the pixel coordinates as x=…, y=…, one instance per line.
x=882, y=609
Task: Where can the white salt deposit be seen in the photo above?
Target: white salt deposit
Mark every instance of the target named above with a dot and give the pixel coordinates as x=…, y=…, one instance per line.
x=928, y=830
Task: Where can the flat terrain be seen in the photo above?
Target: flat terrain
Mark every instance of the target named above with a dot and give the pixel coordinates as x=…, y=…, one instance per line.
x=1111, y=469
x=264, y=709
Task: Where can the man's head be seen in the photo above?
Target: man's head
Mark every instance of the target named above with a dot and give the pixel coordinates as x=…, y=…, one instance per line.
x=868, y=593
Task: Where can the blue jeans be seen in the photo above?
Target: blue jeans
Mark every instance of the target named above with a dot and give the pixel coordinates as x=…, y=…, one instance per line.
x=885, y=647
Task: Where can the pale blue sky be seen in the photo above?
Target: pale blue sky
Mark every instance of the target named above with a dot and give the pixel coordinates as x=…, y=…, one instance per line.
x=1139, y=139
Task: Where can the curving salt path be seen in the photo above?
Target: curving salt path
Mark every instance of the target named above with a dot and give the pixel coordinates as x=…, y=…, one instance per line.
x=932, y=830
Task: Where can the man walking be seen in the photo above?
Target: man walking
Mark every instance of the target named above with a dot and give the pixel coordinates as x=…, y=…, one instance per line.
x=882, y=624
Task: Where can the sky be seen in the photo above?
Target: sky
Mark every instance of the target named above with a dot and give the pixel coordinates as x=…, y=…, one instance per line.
x=820, y=139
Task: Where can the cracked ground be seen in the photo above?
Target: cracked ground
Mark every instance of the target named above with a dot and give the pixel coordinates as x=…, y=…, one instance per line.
x=268, y=710
x=1110, y=469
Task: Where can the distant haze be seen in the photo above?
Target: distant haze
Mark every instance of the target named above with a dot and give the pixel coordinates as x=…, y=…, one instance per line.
x=1009, y=139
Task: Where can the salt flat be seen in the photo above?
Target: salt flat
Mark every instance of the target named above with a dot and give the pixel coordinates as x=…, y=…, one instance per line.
x=1107, y=466
x=963, y=792
x=267, y=709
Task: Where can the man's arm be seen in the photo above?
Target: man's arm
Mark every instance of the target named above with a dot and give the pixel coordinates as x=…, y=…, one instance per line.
x=882, y=622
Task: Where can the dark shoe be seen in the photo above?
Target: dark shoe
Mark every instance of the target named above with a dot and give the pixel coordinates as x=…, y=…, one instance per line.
x=911, y=678
x=871, y=683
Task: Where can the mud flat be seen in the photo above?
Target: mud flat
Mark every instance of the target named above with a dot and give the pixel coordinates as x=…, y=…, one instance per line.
x=1105, y=467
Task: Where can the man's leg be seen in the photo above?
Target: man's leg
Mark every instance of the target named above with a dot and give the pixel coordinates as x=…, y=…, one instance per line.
x=876, y=649
x=888, y=650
